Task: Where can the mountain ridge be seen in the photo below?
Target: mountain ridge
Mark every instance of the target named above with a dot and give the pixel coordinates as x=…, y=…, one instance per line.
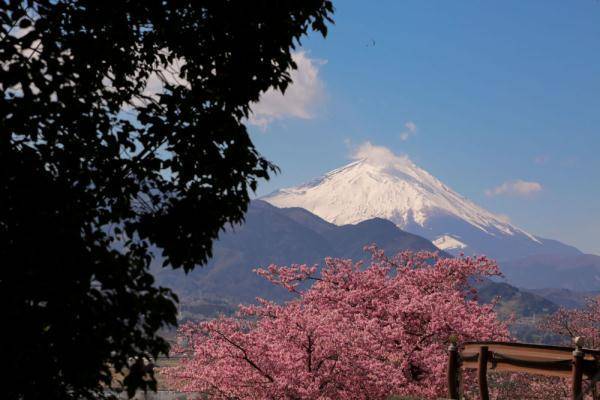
x=283, y=237
x=394, y=188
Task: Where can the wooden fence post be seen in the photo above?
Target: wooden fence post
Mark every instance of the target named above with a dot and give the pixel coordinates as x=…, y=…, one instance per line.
x=453, y=369
x=482, y=373
x=577, y=370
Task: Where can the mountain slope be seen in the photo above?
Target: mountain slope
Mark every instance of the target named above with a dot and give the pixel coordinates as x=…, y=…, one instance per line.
x=349, y=240
x=565, y=297
x=397, y=190
x=281, y=236
x=574, y=272
x=513, y=300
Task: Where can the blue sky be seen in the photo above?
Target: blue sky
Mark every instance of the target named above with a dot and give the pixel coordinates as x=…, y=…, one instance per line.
x=480, y=94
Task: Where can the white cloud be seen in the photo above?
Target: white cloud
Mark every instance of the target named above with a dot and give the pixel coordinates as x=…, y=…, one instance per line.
x=517, y=188
x=410, y=128
x=300, y=98
x=378, y=155
x=169, y=74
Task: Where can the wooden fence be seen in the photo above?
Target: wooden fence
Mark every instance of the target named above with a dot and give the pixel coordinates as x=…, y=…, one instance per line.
x=575, y=362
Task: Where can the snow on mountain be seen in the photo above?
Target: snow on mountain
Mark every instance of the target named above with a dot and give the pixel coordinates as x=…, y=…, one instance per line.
x=447, y=242
x=381, y=184
x=400, y=192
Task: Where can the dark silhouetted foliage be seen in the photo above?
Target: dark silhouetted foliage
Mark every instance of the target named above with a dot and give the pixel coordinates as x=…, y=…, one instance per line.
x=98, y=171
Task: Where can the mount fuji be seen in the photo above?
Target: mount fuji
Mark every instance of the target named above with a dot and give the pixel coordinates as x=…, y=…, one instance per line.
x=383, y=185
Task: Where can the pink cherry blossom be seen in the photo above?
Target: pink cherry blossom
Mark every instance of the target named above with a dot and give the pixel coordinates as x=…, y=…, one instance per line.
x=359, y=332
x=584, y=323
x=569, y=324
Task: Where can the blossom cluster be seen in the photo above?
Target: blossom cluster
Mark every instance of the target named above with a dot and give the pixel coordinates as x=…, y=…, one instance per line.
x=359, y=331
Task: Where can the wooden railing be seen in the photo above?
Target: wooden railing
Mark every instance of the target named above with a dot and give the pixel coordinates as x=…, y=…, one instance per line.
x=575, y=362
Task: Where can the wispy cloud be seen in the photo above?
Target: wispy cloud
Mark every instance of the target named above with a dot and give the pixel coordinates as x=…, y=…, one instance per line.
x=518, y=188
x=300, y=98
x=410, y=129
x=378, y=155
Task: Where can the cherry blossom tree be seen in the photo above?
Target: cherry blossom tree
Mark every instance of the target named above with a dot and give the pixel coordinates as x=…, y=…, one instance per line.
x=359, y=332
x=584, y=323
x=507, y=385
x=568, y=323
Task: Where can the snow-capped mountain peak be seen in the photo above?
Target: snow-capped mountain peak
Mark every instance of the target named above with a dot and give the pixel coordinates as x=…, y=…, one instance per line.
x=380, y=184
x=389, y=187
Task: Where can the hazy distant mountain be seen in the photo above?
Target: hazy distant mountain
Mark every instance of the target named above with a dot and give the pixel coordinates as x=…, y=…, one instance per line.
x=575, y=272
x=399, y=191
x=565, y=297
